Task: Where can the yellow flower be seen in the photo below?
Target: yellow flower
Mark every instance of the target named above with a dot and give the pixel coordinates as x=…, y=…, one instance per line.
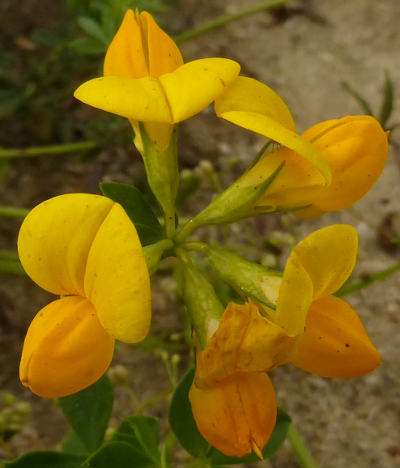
x=355, y=148
x=238, y=415
x=310, y=327
x=85, y=249
x=145, y=79
x=330, y=167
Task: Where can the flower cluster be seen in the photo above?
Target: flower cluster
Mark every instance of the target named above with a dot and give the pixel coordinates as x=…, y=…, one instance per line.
x=85, y=248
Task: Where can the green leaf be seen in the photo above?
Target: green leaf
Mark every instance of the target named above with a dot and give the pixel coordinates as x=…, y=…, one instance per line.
x=182, y=422
x=137, y=208
x=87, y=46
x=387, y=103
x=119, y=454
x=142, y=433
x=185, y=429
x=73, y=444
x=46, y=459
x=89, y=411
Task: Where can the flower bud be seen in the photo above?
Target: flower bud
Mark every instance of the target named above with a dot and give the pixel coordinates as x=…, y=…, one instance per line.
x=238, y=415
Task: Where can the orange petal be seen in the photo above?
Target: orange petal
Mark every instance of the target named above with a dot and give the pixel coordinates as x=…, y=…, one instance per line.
x=126, y=55
x=335, y=343
x=164, y=55
x=244, y=341
x=237, y=415
x=65, y=350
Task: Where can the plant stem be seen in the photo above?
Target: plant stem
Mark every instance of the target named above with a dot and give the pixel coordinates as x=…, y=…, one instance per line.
x=201, y=247
x=226, y=19
x=13, y=211
x=372, y=278
x=186, y=230
x=32, y=151
x=170, y=222
x=154, y=400
x=299, y=448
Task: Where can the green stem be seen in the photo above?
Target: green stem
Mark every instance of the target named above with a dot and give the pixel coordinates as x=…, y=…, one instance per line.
x=226, y=19
x=13, y=211
x=169, y=222
x=299, y=448
x=154, y=400
x=186, y=230
x=372, y=278
x=9, y=255
x=201, y=247
x=46, y=150
x=183, y=256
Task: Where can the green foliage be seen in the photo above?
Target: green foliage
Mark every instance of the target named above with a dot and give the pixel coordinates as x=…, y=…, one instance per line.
x=185, y=429
x=46, y=459
x=137, y=208
x=88, y=412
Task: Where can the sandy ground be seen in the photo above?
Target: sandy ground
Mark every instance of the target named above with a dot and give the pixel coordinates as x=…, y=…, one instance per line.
x=304, y=57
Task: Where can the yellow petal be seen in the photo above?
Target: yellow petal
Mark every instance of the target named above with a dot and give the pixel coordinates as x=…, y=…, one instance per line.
x=271, y=128
x=295, y=297
x=55, y=238
x=250, y=95
x=195, y=85
x=141, y=48
x=164, y=55
x=126, y=55
x=335, y=343
x=65, y=350
x=142, y=99
x=355, y=148
x=238, y=415
x=117, y=281
x=328, y=255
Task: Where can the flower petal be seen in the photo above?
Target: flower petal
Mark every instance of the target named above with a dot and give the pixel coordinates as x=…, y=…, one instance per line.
x=250, y=95
x=270, y=128
x=295, y=297
x=164, y=54
x=335, y=343
x=66, y=349
x=328, y=255
x=195, y=85
x=117, y=281
x=244, y=341
x=55, y=238
x=125, y=55
x=237, y=416
x=141, y=99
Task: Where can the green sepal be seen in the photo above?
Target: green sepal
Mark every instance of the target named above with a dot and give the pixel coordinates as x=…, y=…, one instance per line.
x=236, y=202
x=205, y=309
x=184, y=427
x=46, y=459
x=137, y=208
x=89, y=411
x=162, y=170
x=247, y=278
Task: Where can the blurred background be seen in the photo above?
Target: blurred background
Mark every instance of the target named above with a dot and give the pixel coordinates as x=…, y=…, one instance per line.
x=326, y=59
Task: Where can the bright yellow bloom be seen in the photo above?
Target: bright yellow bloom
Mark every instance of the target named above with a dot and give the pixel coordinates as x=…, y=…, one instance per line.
x=355, y=148
x=85, y=249
x=348, y=153
x=309, y=328
x=238, y=415
x=145, y=79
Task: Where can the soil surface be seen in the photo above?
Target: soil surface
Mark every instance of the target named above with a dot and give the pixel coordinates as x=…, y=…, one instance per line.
x=303, y=51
